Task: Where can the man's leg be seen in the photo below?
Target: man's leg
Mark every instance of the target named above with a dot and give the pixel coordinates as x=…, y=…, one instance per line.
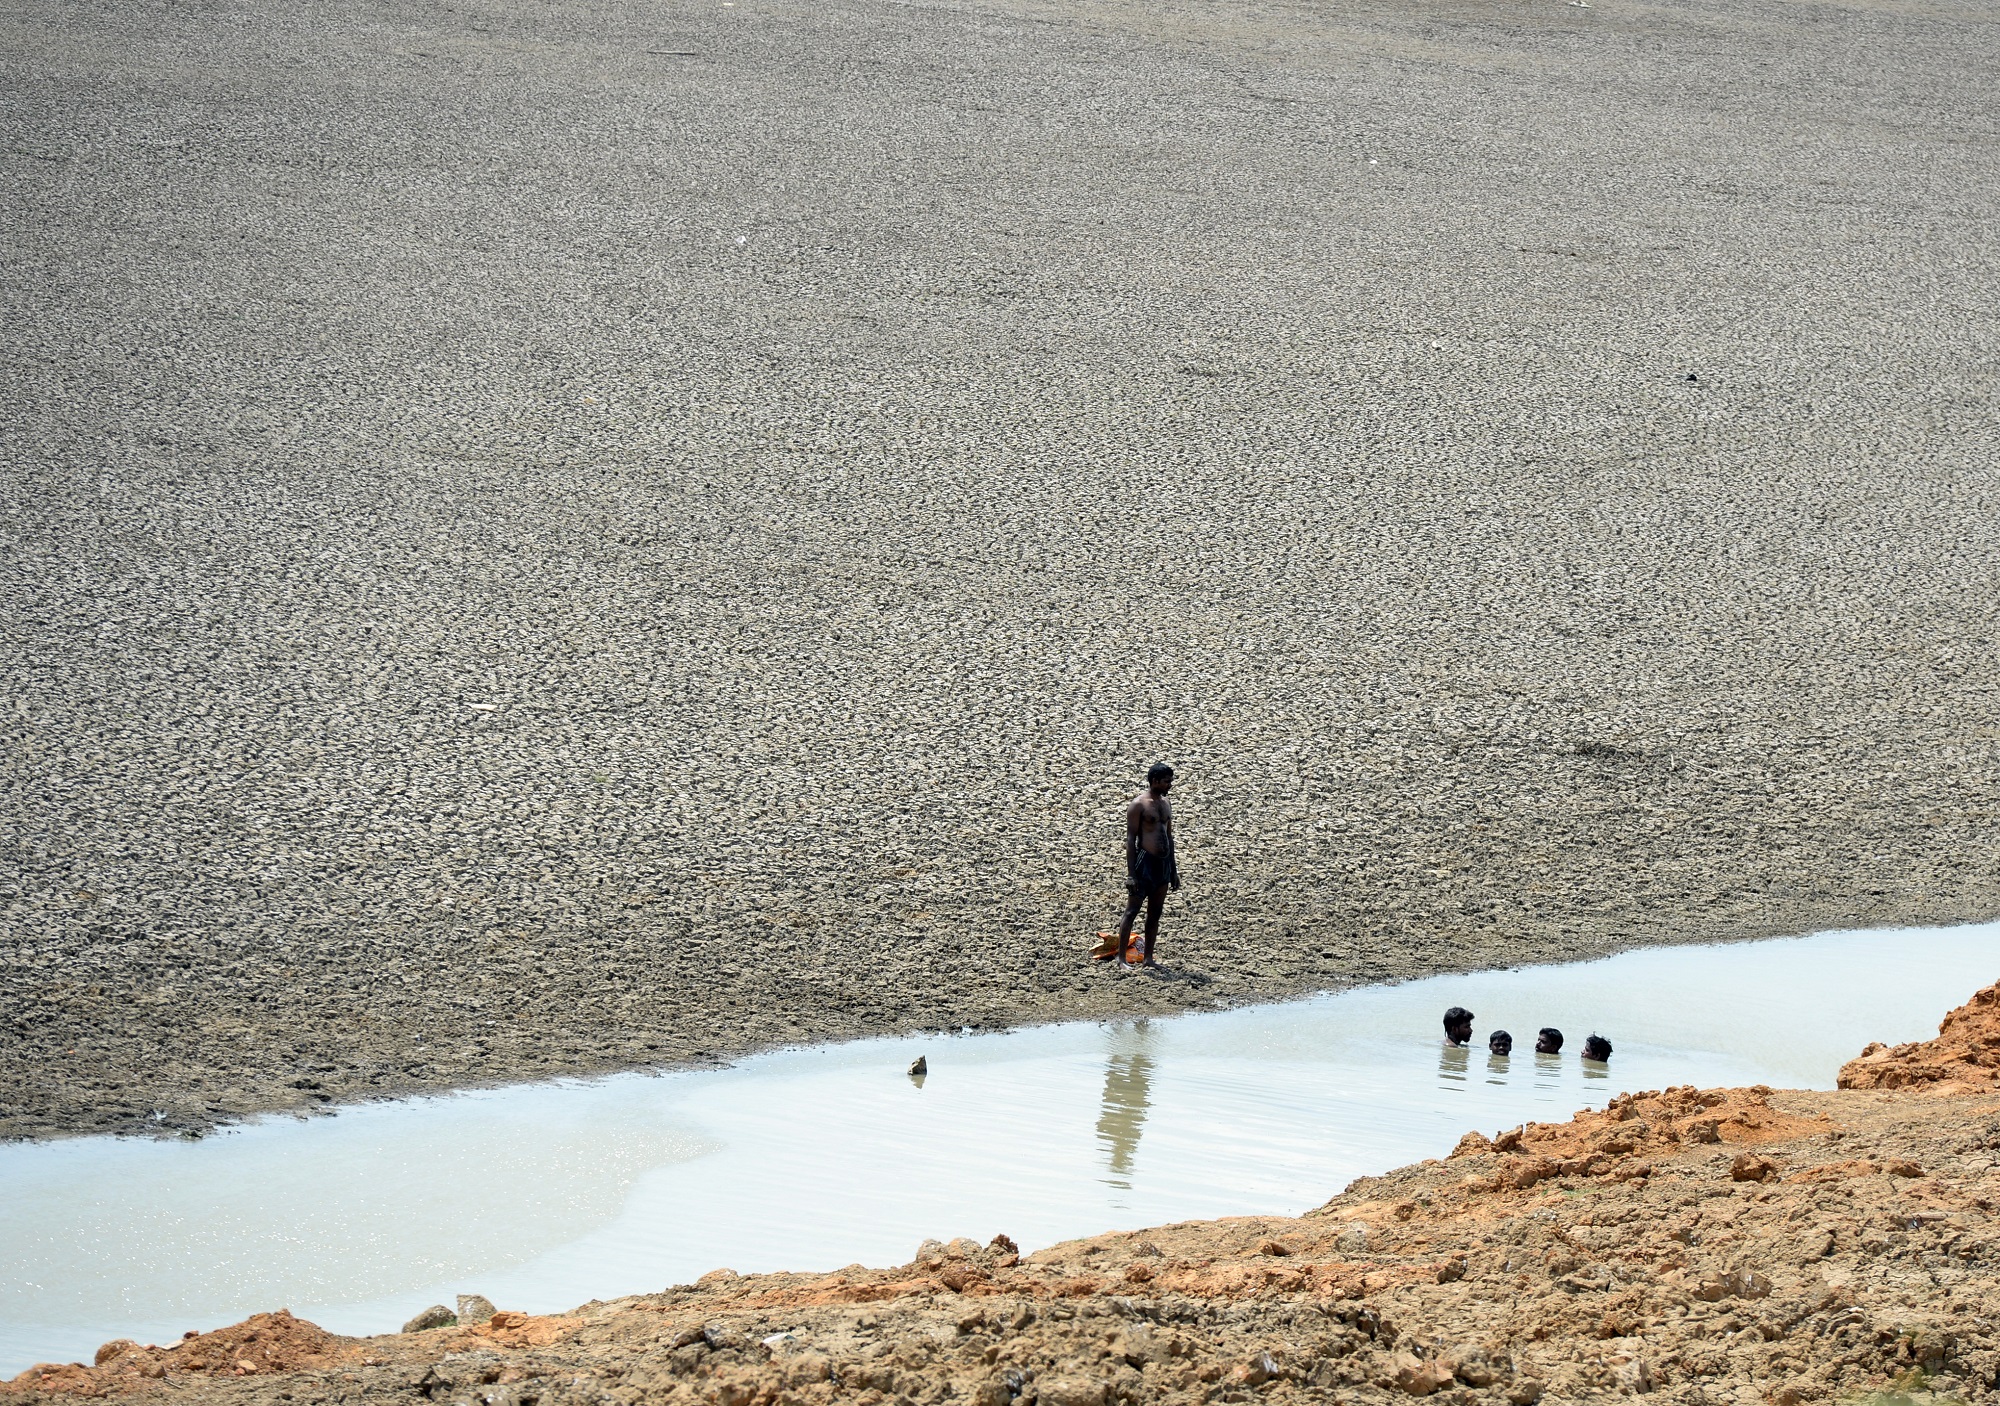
x=1134, y=896
x=1155, y=902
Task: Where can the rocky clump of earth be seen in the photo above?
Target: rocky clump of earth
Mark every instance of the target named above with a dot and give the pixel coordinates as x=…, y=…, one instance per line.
x=1692, y=1245
x=1963, y=1058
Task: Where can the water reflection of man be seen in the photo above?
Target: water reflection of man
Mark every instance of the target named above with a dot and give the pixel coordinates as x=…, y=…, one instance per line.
x=1457, y=1027
x=1128, y=1083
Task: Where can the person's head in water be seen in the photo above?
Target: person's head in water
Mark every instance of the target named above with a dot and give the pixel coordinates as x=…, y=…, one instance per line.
x=1500, y=1043
x=1597, y=1048
x=1550, y=1041
x=1160, y=777
x=1457, y=1026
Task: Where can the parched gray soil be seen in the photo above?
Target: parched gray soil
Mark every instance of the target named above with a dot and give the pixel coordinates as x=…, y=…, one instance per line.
x=552, y=538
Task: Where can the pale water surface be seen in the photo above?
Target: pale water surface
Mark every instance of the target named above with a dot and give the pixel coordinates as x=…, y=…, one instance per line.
x=544, y=1196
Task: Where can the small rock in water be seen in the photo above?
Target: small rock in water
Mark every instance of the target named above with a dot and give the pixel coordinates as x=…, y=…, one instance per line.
x=920, y=1068
x=474, y=1308
x=436, y=1316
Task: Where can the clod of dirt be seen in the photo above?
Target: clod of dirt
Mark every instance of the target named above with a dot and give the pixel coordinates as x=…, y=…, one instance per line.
x=436, y=1316
x=1964, y=1058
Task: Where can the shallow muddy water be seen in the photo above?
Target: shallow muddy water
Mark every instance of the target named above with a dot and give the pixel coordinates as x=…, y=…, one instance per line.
x=545, y=1196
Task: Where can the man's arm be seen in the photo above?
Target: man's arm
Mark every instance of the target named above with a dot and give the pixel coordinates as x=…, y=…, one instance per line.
x=1135, y=829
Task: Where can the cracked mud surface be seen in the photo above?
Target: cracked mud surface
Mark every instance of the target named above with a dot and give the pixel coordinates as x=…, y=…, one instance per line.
x=549, y=539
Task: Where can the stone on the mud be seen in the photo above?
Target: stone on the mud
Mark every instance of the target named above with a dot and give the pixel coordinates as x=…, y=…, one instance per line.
x=1635, y=1378
x=1070, y=1391
x=1128, y=1387
x=1419, y=1377
x=929, y=1253
x=994, y=1391
x=436, y=1316
x=474, y=1308
x=1260, y=1368
x=959, y=1276
x=1748, y=1166
x=1135, y=1345
x=806, y=1368
x=718, y=1335
x=1353, y=1239
x=113, y=1350
x=1475, y=1366
x=1752, y=1284
x=1526, y=1391
x=688, y=1337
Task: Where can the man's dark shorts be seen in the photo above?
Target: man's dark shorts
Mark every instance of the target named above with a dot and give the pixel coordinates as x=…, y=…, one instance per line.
x=1150, y=875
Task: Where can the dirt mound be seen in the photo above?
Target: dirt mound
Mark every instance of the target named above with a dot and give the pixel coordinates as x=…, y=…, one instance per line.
x=1964, y=1058
x=262, y=1344
x=1635, y=1127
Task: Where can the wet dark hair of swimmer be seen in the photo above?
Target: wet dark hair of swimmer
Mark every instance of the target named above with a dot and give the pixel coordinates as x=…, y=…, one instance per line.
x=1457, y=1025
x=1159, y=771
x=1597, y=1048
x=1500, y=1043
x=1550, y=1041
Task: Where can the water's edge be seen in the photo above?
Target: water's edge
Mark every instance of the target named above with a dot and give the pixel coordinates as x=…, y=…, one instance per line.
x=548, y=1195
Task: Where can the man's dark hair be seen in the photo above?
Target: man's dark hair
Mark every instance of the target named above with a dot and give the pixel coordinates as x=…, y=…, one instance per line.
x=1455, y=1017
x=1158, y=770
x=1550, y=1041
x=1597, y=1047
x=1500, y=1042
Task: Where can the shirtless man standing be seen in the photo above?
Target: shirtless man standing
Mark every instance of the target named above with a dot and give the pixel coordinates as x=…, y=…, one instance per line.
x=1149, y=858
